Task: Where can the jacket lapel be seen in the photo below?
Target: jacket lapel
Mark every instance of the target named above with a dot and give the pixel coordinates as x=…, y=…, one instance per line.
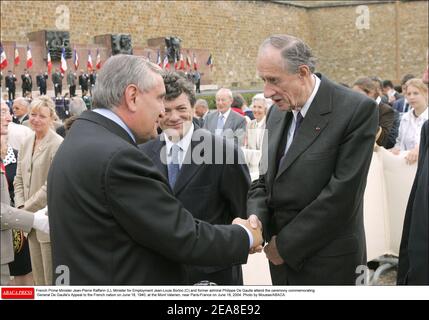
x=158, y=157
x=189, y=168
x=314, y=122
x=42, y=146
x=278, y=120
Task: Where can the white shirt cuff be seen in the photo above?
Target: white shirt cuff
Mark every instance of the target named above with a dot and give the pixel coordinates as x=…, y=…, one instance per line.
x=249, y=233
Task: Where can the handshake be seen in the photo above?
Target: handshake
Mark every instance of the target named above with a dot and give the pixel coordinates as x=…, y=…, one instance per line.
x=254, y=225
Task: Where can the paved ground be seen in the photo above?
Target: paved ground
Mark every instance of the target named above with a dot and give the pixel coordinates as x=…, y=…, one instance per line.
x=256, y=272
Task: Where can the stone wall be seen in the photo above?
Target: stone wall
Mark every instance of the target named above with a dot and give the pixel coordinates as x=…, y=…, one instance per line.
x=232, y=31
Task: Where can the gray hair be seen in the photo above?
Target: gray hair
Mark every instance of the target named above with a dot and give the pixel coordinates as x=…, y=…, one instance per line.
x=23, y=102
x=118, y=72
x=77, y=106
x=202, y=102
x=228, y=91
x=260, y=97
x=294, y=52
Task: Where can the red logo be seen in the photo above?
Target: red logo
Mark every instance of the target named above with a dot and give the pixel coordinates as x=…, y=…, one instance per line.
x=17, y=293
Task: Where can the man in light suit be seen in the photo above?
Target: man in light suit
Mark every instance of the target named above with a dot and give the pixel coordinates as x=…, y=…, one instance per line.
x=116, y=220
x=309, y=197
x=215, y=192
x=225, y=121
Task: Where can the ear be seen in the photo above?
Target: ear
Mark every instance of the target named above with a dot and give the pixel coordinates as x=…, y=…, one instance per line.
x=130, y=96
x=303, y=71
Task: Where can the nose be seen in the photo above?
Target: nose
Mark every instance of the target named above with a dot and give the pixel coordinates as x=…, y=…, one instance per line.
x=174, y=116
x=268, y=91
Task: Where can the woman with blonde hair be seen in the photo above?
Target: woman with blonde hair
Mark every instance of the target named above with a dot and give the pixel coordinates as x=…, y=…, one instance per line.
x=34, y=159
x=408, y=139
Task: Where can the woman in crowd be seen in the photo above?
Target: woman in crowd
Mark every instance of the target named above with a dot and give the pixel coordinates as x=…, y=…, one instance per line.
x=412, y=121
x=20, y=267
x=255, y=128
x=34, y=160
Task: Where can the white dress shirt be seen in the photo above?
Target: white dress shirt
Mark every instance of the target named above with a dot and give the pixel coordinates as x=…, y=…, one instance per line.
x=410, y=129
x=183, y=143
x=303, y=111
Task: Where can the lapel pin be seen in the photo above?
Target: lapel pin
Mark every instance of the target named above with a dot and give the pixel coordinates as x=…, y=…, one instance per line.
x=317, y=128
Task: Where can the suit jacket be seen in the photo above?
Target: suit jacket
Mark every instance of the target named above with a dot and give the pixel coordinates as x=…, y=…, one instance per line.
x=20, y=121
x=215, y=193
x=235, y=124
x=116, y=220
x=57, y=78
x=413, y=266
x=83, y=81
x=313, y=200
x=27, y=82
x=10, y=82
x=41, y=80
x=399, y=105
x=32, y=172
x=71, y=79
x=386, y=120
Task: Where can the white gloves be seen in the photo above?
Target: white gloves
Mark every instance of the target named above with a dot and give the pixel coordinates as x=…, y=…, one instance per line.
x=41, y=220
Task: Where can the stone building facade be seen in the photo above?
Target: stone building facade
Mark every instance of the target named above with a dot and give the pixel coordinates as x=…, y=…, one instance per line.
x=384, y=38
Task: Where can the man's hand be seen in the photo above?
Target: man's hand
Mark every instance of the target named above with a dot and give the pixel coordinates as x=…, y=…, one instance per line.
x=395, y=151
x=272, y=253
x=255, y=223
x=256, y=233
x=412, y=156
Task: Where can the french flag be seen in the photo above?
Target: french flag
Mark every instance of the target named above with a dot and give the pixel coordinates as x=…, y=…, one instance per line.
x=49, y=63
x=29, y=58
x=3, y=59
x=76, y=60
x=98, y=61
x=63, y=67
x=166, y=64
x=89, y=63
x=16, y=60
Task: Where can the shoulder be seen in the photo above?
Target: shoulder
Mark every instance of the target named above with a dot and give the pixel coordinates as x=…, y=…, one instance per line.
x=55, y=138
x=149, y=144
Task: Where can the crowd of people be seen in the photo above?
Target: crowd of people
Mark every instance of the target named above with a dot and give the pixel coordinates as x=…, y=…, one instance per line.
x=151, y=187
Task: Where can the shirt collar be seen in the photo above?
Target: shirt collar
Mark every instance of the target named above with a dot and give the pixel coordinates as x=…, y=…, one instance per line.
x=109, y=114
x=307, y=104
x=182, y=143
x=225, y=114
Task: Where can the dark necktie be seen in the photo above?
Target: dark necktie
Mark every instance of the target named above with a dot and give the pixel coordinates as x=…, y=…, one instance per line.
x=173, y=166
x=299, y=119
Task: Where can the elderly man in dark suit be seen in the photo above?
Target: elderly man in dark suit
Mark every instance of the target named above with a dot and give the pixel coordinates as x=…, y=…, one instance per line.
x=225, y=121
x=115, y=220
x=413, y=266
x=212, y=191
x=309, y=197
